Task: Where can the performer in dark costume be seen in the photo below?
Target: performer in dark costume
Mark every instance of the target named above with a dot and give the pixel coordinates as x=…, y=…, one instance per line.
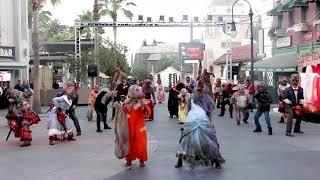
x=173, y=100
x=149, y=95
x=101, y=108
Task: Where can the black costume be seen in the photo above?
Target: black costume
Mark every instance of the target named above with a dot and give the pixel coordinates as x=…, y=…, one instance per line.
x=101, y=108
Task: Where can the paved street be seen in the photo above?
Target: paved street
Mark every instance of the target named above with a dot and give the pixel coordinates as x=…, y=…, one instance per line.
x=248, y=156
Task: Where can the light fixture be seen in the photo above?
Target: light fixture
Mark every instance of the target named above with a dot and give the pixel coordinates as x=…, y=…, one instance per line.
x=171, y=19
x=209, y=18
x=196, y=19
x=185, y=18
x=149, y=19
x=161, y=18
x=140, y=18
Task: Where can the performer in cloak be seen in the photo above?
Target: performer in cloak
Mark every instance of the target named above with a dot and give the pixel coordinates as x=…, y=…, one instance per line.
x=283, y=84
x=20, y=116
x=149, y=95
x=198, y=141
x=205, y=77
x=133, y=109
x=118, y=78
x=217, y=91
x=241, y=100
x=173, y=100
x=59, y=124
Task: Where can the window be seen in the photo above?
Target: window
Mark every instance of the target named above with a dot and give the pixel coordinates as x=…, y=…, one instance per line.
x=290, y=19
x=280, y=18
x=304, y=14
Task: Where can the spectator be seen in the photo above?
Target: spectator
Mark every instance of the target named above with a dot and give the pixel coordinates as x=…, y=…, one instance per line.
x=18, y=86
x=55, y=85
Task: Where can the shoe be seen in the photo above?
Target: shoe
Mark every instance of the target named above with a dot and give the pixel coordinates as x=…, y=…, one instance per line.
x=220, y=115
x=298, y=132
x=289, y=134
x=179, y=163
x=238, y=123
x=107, y=127
x=270, y=131
x=51, y=142
x=25, y=144
x=99, y=131
x=128, y=164
x=218, y=165
x=78, y=134
x=281, y=120
x=258, y=129
x=231, y=116
x=245, y=121
x=142, y=164
x=181, y=123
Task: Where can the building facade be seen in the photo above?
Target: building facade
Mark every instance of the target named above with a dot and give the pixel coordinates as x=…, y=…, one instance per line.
x=14, y=41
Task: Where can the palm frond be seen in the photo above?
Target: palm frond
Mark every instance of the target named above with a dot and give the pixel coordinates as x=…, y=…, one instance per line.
x=131, y=3
x=127, y=13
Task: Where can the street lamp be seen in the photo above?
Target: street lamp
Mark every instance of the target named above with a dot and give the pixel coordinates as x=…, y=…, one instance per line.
x=234, y=32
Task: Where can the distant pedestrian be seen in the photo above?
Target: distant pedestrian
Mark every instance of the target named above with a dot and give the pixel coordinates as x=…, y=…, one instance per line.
x=264, y=102
x=226, y=94
x=161, y=95
x=55, y=85
x=217, y=91
x=18, y=86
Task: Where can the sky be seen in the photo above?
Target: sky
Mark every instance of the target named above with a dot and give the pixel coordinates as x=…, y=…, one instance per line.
x=68, y=10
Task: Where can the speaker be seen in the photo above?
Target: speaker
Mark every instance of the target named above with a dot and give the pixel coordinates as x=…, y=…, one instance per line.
x=92, y=71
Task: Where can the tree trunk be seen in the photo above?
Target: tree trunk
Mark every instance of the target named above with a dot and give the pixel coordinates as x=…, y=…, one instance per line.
x=36, y=62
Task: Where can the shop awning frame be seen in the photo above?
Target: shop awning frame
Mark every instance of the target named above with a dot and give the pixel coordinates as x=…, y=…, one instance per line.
x=298, y=3
x=279, y=63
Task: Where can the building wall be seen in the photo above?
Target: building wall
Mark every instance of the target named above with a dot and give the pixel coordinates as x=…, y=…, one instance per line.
x=14, y=33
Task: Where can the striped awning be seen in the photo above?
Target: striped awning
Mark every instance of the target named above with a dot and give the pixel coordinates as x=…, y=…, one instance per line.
x=275, y=11
x=297, y=3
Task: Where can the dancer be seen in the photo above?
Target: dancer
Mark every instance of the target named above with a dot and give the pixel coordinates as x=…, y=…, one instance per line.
x=149, y=95
x=20, y=116
x=91, y=101
x=173, y=100
x=132, y=109
x=59, y=124
x=293, y=97
x=161, y=95
x=283, y=84
x=241, y=99
x=226, y=94
x=183, y=98
x=198, y=141
x=217, y=91
x=101, y=108
x=72, y=112
x=264, y=102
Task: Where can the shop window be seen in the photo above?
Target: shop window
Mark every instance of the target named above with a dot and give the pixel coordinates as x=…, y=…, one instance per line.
x=280, y=18
x=290, y=19
x=304, y=14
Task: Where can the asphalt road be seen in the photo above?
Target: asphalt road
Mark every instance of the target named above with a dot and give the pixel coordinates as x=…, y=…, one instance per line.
x=248, y=156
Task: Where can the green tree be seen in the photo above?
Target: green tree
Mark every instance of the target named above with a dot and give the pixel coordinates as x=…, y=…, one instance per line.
x=140, y=72
x=36, y=6
x=112, y=8
x=167, y=61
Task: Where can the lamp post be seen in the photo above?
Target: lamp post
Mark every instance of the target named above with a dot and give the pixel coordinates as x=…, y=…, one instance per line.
x=233, y=31
x=96, y=43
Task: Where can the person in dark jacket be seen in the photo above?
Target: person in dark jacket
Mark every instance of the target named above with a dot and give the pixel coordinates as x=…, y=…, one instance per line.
x=173, y=100
x=72, y=113
x=101, y=108
x=264, y=102
x=226, y=95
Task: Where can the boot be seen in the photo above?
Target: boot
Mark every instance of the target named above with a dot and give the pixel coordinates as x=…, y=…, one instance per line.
x=270, y=131
x=281, y=120
x=107, y=127
x=25, y=144
x=179, y=163
x=71, y=138
x=142, y=163
x=51, y=141
x=99, y=131
x=231, y=115
x=289, y=134
x=258, y=129
x=218, y=165
x=128, y=163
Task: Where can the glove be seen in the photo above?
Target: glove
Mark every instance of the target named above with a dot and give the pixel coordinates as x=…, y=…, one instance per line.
x=287, y=101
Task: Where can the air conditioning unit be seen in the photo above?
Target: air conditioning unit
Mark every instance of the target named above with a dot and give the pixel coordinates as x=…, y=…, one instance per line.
x=279, y=32
x=301, y=27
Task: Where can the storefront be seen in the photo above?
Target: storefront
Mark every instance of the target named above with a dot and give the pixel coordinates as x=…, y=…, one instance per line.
x=309, y=70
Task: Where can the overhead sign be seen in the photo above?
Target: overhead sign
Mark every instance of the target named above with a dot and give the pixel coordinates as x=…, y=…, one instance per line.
x=191, y=51
x=5, y=76
x=283, y=42
x=6, y=52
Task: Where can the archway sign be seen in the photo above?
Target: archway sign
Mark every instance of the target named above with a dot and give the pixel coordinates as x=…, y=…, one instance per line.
x=183, y=24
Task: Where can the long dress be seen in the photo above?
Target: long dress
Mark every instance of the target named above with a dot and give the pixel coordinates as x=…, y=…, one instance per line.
x=55, y=127
x=137, y=133
x=198, y=143
x=173, y=102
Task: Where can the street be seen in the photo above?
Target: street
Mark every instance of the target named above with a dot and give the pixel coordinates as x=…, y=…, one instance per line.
x=248, y=156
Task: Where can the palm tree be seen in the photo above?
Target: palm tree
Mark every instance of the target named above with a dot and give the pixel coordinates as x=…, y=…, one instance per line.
x=36, y=6
x=112, y=9
x=86, y=17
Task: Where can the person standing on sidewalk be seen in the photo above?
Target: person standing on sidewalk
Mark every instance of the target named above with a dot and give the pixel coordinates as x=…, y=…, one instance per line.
x=264, y=102
x=91, y=100
x=293, y=97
